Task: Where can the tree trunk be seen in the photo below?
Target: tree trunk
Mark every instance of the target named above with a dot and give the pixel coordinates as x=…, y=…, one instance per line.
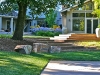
x=18, y=34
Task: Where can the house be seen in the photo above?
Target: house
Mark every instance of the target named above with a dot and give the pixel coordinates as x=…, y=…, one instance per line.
x=8, y=21
x=79, y=19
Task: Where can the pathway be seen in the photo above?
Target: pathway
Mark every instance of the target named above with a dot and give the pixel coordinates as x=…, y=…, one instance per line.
x=72, y=68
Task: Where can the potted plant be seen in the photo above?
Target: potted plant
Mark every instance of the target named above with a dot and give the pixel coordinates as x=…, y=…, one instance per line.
x=98, y=31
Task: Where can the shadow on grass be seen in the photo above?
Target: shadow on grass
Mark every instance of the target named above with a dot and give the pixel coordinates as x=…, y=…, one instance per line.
x=12, y=63
x=19, y=64
x=71, y=56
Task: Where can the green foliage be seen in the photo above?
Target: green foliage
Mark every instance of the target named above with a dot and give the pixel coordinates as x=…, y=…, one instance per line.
x=40, y=33
x=81, y=25
x=97, y=12
x=36, y=7
x=50, y=17
x=56, y=33
x=99, y=26
x=97, y=9
x=47, y=33
x=13, y=63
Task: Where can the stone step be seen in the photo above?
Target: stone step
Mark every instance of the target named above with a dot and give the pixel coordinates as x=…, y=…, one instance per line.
x=55, y=41
x=37, y=38
x=77, y=48
x=44, y=40
x=83, y=34
x=71, y=47
x=60, y=44
x=85, y=39
x=61, y=37
x=58, y=38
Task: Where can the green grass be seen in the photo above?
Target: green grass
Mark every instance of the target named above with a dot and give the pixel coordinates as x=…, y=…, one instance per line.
x=5, y=36
x=25, y=36
x=33, y=36
x=12, y=63
x=76, y=56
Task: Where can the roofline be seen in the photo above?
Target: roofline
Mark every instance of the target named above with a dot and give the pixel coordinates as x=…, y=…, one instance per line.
x=8, y=16
x=72, y=7
x=15, y=17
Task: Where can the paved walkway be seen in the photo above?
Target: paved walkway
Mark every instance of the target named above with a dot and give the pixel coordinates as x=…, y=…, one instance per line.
x=72, y=68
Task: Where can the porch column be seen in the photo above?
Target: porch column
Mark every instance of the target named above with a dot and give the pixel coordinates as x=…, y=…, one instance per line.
x=11, y=25
x=0, y=23
x=63, y=21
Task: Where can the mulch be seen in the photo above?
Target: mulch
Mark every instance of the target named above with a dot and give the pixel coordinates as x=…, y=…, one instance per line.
x=9, y=44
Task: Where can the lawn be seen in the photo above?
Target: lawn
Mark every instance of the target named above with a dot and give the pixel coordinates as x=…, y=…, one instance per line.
x=12, y=63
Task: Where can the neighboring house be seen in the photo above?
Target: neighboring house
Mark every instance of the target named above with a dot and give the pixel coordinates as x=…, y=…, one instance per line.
x=41, y=19
x=80, y=20
x=8, y=21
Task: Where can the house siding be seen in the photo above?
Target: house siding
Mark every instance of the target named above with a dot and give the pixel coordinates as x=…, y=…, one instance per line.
x=70, y=19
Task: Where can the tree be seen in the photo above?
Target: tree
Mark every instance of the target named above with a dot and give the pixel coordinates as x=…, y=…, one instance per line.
x=50, y=17
x=96, y=8
x=36, y=6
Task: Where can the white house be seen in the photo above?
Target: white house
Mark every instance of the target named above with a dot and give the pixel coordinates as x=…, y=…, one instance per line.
x=80, y=20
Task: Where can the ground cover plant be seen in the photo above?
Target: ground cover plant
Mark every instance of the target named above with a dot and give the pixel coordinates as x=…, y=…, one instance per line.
x=88, y=43
x=45, y=31
x=12, y=63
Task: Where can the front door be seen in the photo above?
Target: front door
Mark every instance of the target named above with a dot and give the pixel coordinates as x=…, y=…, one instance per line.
x=91, y=25
x=8, y=24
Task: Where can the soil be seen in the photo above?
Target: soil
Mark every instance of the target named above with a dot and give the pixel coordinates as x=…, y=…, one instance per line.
x=9, y=44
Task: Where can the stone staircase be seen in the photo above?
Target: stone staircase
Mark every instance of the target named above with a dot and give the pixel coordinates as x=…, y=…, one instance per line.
x=75, y=37
x=67, y=41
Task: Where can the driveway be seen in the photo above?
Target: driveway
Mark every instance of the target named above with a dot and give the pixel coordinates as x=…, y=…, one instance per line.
x=72, y=68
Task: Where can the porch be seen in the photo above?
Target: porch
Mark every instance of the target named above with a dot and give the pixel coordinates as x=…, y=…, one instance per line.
x=3, y=32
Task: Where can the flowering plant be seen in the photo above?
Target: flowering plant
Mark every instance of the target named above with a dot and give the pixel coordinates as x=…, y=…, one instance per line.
x=43, y=30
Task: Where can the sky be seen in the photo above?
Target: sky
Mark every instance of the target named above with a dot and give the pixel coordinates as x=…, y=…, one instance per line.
x=1, y=0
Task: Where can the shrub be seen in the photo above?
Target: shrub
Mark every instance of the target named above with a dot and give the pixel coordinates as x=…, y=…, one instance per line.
x=45, y=31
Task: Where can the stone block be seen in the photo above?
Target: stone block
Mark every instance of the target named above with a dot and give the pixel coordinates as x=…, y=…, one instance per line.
x=54, y=49
x=24, y=49
x=40, y=47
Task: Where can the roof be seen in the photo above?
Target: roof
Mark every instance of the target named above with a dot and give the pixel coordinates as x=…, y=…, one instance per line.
x=68, y=9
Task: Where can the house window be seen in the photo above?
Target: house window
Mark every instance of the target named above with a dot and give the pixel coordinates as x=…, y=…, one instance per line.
x=90, y=15
x=41, y=23
x=78, y=14
x=78, y=24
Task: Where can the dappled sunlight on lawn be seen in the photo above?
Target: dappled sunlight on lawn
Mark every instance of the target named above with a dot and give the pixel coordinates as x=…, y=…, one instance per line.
x=20, y=64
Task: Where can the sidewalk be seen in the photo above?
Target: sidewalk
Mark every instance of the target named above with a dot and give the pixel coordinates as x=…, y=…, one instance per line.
x=72, y=68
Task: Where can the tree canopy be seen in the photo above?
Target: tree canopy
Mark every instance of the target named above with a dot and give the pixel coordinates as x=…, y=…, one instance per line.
x=96, y=7
x=36, y=7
